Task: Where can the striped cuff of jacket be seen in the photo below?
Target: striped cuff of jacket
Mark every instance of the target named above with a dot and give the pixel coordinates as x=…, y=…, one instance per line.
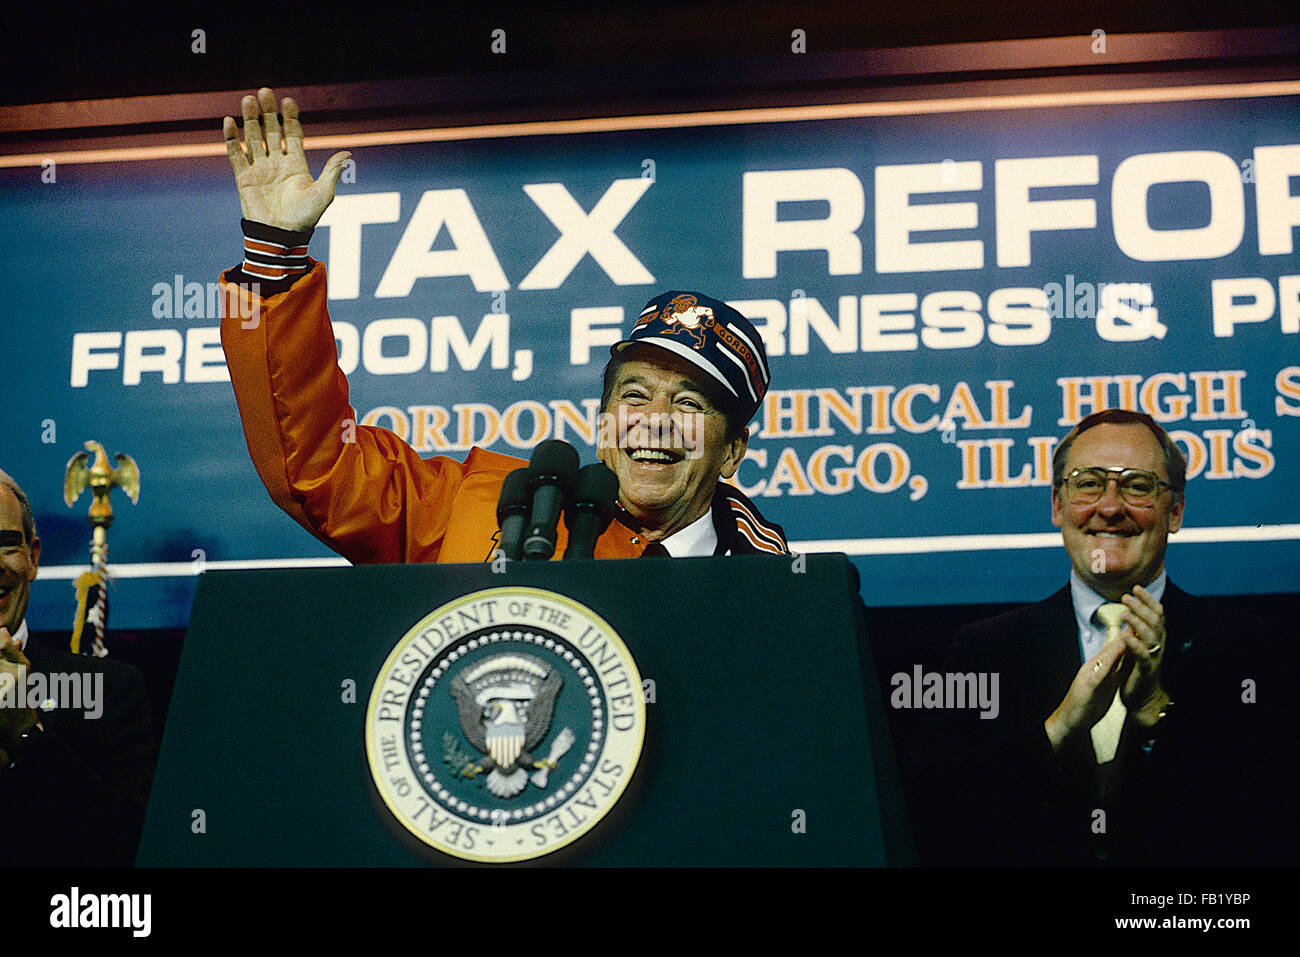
x=273, y=254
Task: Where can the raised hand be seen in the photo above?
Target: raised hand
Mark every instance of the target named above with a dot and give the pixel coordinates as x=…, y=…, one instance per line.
x=275, y=186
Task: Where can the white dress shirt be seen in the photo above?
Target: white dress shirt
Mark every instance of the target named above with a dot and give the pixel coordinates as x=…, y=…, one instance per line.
x=697, y=538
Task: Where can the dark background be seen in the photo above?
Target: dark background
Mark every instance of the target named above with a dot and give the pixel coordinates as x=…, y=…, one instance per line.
x=57, y=53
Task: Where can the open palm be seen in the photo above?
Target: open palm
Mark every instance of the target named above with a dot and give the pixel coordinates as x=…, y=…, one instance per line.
x=275, y=186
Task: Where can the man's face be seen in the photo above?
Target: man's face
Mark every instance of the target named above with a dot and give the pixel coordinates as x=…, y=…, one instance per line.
x=17, y=561
x=657, y=403
x=1113, y=545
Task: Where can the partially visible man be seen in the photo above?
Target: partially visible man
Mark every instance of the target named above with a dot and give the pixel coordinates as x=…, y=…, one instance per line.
x=74, y=781
x=1173, y=743
x=678, y=395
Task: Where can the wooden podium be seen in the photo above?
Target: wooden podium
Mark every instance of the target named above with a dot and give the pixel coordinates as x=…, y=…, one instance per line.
x=765, y=737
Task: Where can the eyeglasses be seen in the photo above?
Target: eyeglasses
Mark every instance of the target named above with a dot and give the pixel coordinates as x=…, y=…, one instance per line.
x=1139, y=487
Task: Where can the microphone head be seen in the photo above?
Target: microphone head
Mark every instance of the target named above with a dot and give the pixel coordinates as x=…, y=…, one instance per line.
x=597, y=489
x=514, y=494
x=554, y=461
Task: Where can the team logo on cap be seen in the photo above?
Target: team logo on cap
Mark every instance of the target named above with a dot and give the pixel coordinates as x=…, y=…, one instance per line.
x=683, y=314
x=505, y=725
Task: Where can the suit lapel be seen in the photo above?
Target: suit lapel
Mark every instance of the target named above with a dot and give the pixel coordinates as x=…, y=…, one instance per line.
x=1181, y=625
x=1056, y=661
x=40, y=663
x=1065, y=637
x=1035, y=651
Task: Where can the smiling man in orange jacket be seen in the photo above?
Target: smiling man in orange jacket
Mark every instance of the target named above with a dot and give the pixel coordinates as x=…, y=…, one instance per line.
x=678, y=395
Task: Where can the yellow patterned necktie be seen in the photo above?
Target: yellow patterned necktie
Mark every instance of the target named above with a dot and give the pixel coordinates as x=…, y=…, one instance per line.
x=1105, y=733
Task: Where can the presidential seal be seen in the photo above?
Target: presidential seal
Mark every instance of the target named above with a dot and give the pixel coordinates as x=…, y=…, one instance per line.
x=505, y=725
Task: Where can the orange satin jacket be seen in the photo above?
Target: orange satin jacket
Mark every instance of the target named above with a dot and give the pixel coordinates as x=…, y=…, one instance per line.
x=360, y=489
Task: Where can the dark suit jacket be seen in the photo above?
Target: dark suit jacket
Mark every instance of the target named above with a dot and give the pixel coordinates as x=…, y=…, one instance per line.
x=76, y=797
x=1217, y=787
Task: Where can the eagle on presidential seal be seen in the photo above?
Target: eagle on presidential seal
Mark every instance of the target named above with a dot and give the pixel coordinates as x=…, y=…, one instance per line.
x=506, y=703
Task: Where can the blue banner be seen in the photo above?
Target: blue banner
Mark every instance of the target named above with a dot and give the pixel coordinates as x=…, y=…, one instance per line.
x=943, y=293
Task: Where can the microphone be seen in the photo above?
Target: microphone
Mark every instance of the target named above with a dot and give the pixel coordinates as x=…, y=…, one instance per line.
x=553, y=468
x=591, y=511
x=512, y=512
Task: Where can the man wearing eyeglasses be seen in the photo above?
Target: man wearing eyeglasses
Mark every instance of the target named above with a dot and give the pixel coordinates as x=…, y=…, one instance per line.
x=1162, y=738
x=1117, y=494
